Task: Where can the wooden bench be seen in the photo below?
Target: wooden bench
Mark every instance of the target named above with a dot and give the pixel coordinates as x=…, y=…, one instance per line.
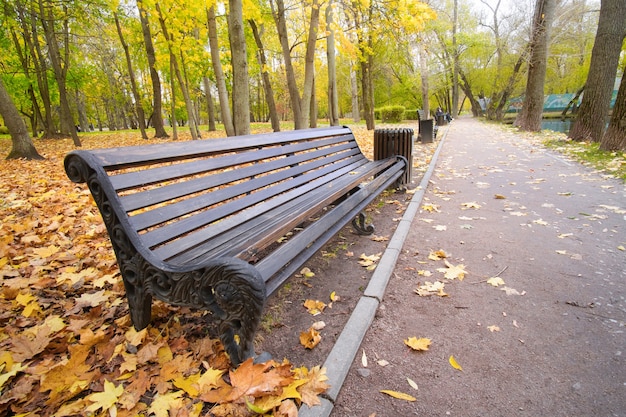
x=219, y=224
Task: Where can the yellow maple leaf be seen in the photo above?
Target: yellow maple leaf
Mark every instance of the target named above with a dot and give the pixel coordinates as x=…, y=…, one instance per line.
x=310, y=338
x=398, y=395
x=307, y=273
x=209, y=380
x=189, y=384
x=431, y=288
x=163, y=403
x=418, y=344
x=314, y=307
x=437, y=255
x=495, y=281
x=106, y=399
x=315, y=384
x=430, y=208
x=452, y=272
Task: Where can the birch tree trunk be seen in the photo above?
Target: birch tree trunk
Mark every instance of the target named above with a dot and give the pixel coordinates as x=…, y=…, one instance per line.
x=241, y=88
x=220, y=79
x=333, y=96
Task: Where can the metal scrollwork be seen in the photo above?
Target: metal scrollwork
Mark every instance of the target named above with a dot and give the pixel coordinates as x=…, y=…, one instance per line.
x=230, y=288
x=360, y=225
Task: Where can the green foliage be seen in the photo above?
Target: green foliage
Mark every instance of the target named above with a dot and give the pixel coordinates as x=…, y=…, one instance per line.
x=4, y=130
x=391, y=114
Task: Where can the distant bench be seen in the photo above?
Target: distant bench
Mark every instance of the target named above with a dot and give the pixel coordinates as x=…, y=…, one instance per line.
x=220, y=224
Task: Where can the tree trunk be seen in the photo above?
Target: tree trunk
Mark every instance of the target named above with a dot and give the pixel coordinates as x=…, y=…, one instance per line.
x=529, y=118
x=239, y=62
x=309, y=65
x=333, y=96
x=60, y=70
x=368, y=93
x=22, y=145
x=292, y=86
x=191, y=119
x=157, y=106
x=220, y=79
x=354, y=89
x=133, y=84
x=267, y=86
x=615, y=137
x=594, y=109
x=423, y=57
x=210, y=104
x=454, y=108
x=173, y=118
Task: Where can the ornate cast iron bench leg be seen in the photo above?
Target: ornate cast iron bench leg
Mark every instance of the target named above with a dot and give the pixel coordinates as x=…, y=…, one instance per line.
x=360, y=225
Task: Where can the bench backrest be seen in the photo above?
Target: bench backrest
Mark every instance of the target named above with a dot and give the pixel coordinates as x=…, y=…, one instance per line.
x=166, y=193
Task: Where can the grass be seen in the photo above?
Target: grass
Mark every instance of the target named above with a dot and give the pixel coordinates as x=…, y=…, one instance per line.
x=589, y=153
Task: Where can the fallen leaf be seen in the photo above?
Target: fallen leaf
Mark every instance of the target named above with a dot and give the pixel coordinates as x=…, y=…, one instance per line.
x=452, y=271
x=431, y=288
x=412, y=383
x=495, y=281
x=398, y=395
x=420, y=344
x=454, y=363
x=430, y=208
x=307, y=273
x=105, y=400
x=437, y=255
x=471, y=205
x=310, y=338
x=493, y=328
x=499, y=197
x=315, y=307
x=364, y=359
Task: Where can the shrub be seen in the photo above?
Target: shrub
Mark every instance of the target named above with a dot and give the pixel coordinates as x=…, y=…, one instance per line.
x=4, y=130
x=392, y=114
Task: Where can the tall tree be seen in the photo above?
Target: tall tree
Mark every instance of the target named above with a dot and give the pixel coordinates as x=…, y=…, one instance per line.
x=157, y=100
x=59, y=59
x=220, y=79
x=593, y=112
x=615, y=137
x=267, y=85
x=171, y=42
x=239, y=60
x=530, y=117
x=22, y=145
x=133, y=83
x=333, y=95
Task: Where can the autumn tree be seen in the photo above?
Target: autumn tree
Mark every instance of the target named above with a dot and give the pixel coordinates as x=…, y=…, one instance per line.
x=593, y=112
x=241, y=89
x=157, y=118
x=22, y=145
x=615, y=137
x=532, y=109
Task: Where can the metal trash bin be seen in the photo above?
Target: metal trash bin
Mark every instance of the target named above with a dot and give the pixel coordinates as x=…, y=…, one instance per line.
x=389, y=142
x=427, y=131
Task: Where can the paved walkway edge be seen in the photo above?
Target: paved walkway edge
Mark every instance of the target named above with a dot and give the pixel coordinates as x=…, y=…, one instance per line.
x=343, y=353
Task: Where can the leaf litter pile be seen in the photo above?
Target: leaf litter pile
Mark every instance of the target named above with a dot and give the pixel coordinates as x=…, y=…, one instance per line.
x=67, y=346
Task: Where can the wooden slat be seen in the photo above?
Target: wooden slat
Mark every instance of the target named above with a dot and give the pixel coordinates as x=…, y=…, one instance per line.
x=180, y=189
x=173, y=211
x=245, y=237
x=159, y=174
x=126, y=157
x=246, y=208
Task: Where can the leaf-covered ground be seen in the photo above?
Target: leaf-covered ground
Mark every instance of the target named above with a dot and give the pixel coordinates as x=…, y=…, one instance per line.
x=67, y=346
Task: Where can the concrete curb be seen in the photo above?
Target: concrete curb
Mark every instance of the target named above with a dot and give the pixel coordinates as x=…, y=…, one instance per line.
x=343, y=353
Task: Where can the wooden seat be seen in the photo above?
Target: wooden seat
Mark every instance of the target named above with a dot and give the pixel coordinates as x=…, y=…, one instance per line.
x=206, y=223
